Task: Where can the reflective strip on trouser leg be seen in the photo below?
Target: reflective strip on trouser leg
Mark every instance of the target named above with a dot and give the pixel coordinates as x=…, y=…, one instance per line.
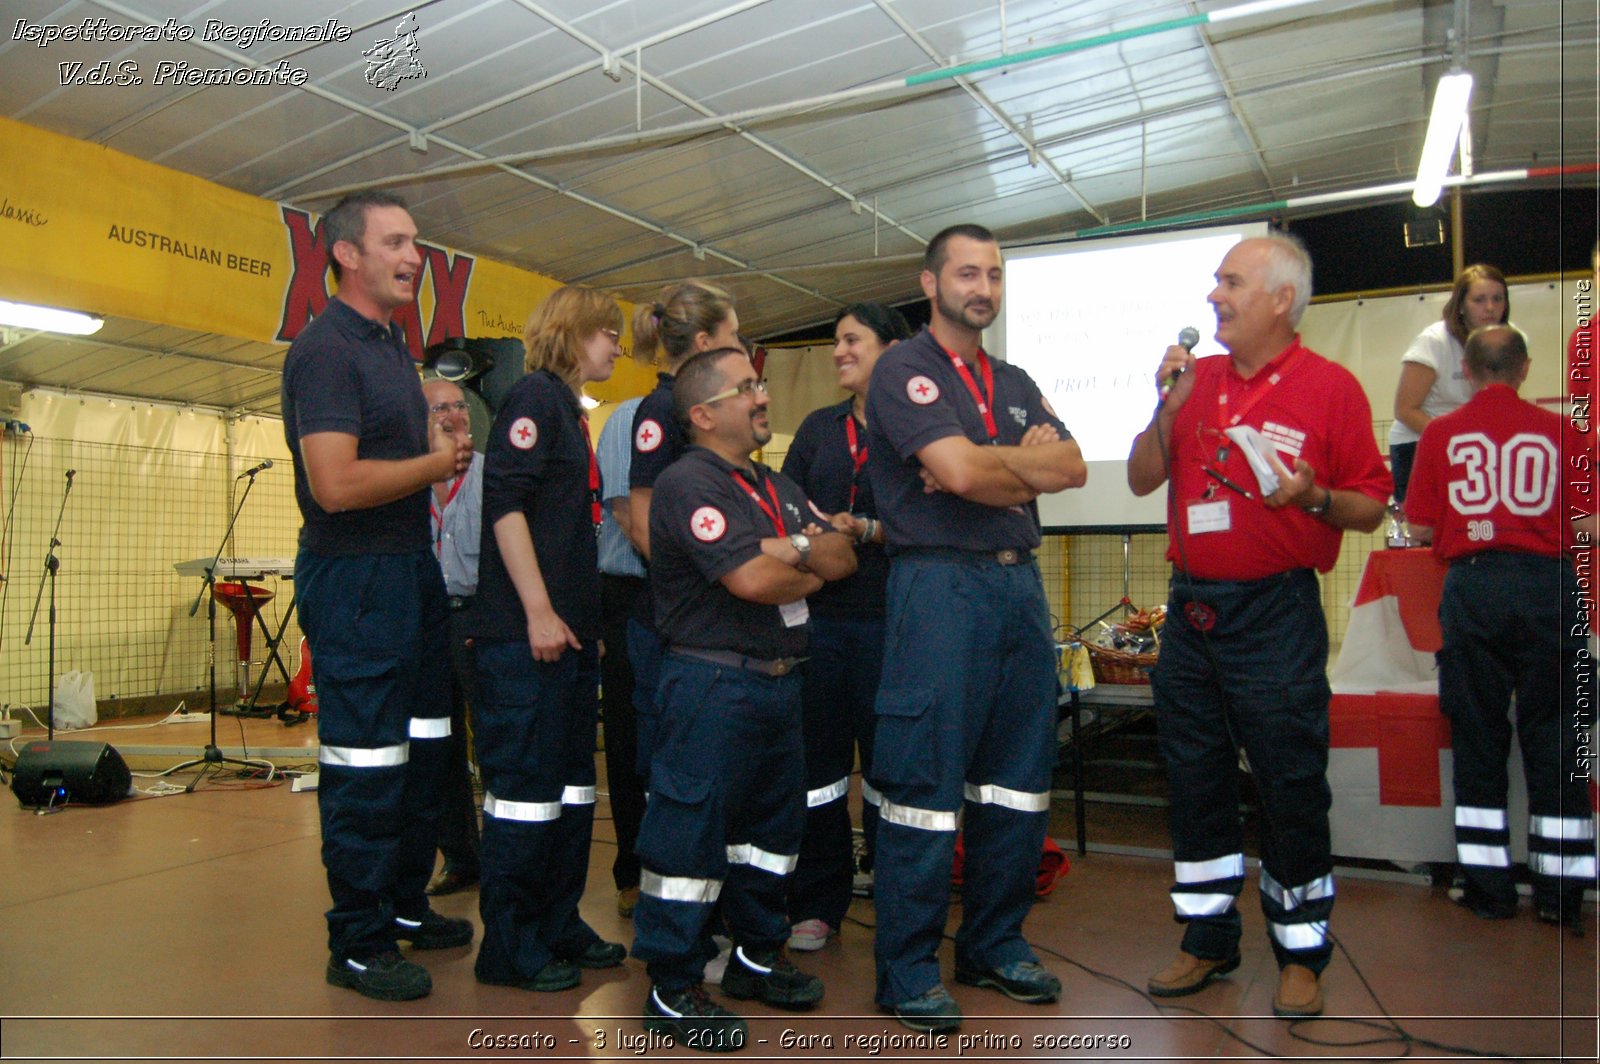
x=1487, y=856
x=1310, y=935
x=429, y=728
x=527, y=812
x=1561, y=847
x=830, y=793
x=912, y=817
x=359, y=757
x=1469, y=816
x=1298, y=915
x=779, y=864
x=1482, y=837
x=1021, y=801
x=1562, y=827
x=870, y=794
x=1290, y=899
x=1207, y=888
x=577, y=795
x=679, y=888
x=1562, y=867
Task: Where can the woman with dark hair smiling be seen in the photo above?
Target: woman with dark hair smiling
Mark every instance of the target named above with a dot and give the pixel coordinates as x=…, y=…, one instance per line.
x=827, y=459
x=537, y=646
x=1432, y=380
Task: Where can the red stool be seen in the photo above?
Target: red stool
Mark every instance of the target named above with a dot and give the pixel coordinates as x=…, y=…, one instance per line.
x=244, y=601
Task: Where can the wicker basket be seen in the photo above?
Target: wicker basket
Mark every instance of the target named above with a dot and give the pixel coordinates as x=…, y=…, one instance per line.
x=1119, y=666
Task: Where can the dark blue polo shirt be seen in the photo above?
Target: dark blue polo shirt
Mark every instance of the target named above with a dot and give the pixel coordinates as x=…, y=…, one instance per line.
x=704, y=525
x=819, y=461
x=658, y=439
x=917, y=397
x=346, y=373
x=537, y=464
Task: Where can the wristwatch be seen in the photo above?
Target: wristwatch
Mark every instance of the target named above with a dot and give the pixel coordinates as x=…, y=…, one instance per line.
x=802, y=543
x=1321, y=507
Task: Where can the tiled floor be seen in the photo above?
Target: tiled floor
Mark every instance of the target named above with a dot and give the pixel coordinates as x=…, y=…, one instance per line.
x=190, y=926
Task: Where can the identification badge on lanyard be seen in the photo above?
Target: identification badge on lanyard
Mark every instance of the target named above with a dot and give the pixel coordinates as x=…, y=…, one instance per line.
x=1209, y=517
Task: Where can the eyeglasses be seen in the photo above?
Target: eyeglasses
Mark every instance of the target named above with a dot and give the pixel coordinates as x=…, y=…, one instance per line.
x=746, y=387
x=459, y=406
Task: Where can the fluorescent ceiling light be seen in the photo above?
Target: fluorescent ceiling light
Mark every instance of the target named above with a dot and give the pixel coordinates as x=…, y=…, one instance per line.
x=1444, y=127
x=1258, y=7
x=49, y=319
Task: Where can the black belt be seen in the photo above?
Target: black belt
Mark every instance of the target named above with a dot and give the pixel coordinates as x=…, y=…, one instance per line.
x=460, y=602
x=1009, y=556
x=766, y=667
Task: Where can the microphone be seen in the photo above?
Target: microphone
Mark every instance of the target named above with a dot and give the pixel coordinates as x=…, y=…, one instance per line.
x=253, y=470
x=1187, y=338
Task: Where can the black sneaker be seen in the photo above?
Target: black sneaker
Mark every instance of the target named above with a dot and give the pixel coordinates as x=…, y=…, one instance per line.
x=385, y=977
x=600, y=954
x=771, y=977
x=1026, y=981
x=1566, y=912
x=1483, y=906
x=933, y=1010
x=432, y=931
x=556, y=976
x=694, y=1020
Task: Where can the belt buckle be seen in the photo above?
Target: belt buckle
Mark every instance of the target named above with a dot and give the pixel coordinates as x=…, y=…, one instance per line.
x=1006, y=557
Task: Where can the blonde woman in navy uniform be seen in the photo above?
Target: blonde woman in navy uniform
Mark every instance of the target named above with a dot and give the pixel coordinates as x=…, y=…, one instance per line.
x=536, y=641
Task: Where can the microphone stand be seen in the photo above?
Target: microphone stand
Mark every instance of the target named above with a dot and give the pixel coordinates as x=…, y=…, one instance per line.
x=213, y=760
x=51, y=564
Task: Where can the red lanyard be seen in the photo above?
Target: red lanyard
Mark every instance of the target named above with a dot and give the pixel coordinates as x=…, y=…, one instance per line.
x=774, y=511
x=985, y=405
x=1257, y=394
x=438, y=515
x=595, y=513
x=858, y=455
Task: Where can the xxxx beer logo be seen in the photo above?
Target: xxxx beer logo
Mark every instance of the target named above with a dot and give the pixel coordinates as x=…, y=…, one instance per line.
x=308, y=294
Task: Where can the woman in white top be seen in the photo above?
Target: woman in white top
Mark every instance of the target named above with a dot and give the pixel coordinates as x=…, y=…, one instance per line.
x=1432, y=381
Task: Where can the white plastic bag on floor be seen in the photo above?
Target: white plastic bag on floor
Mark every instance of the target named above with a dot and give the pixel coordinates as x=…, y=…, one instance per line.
x=74, y=703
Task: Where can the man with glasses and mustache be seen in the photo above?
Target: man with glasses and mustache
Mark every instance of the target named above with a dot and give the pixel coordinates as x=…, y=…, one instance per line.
x=959, y=448
x=456, y=519
x=735, y=550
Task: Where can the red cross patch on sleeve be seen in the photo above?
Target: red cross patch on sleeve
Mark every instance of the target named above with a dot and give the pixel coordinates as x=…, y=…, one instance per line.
x=648, y=436
x=921, y=390
x=524, y=434
x=708, y=524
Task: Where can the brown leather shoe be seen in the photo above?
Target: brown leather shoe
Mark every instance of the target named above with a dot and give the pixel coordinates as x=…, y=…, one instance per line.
x=627, y=901
x=1188, y=974
x=1299, y=993
x=448, y=881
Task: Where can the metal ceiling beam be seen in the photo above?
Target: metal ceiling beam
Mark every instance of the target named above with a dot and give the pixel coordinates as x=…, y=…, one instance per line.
x=1245, y=127
x=693, y=104
x=993, y=110
x=517, y=94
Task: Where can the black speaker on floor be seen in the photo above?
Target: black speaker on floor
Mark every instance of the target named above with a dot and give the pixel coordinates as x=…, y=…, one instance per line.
x=53, y=773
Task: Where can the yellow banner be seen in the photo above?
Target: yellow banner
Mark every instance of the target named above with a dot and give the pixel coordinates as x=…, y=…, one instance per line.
x=87, y=228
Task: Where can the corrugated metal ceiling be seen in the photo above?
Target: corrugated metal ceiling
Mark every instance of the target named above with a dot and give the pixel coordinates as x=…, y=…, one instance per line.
x=794, y=208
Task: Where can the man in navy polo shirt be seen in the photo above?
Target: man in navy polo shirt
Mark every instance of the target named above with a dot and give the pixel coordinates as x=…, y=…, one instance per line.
x=372, y=600
x=735, y=548
x=960, y=447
